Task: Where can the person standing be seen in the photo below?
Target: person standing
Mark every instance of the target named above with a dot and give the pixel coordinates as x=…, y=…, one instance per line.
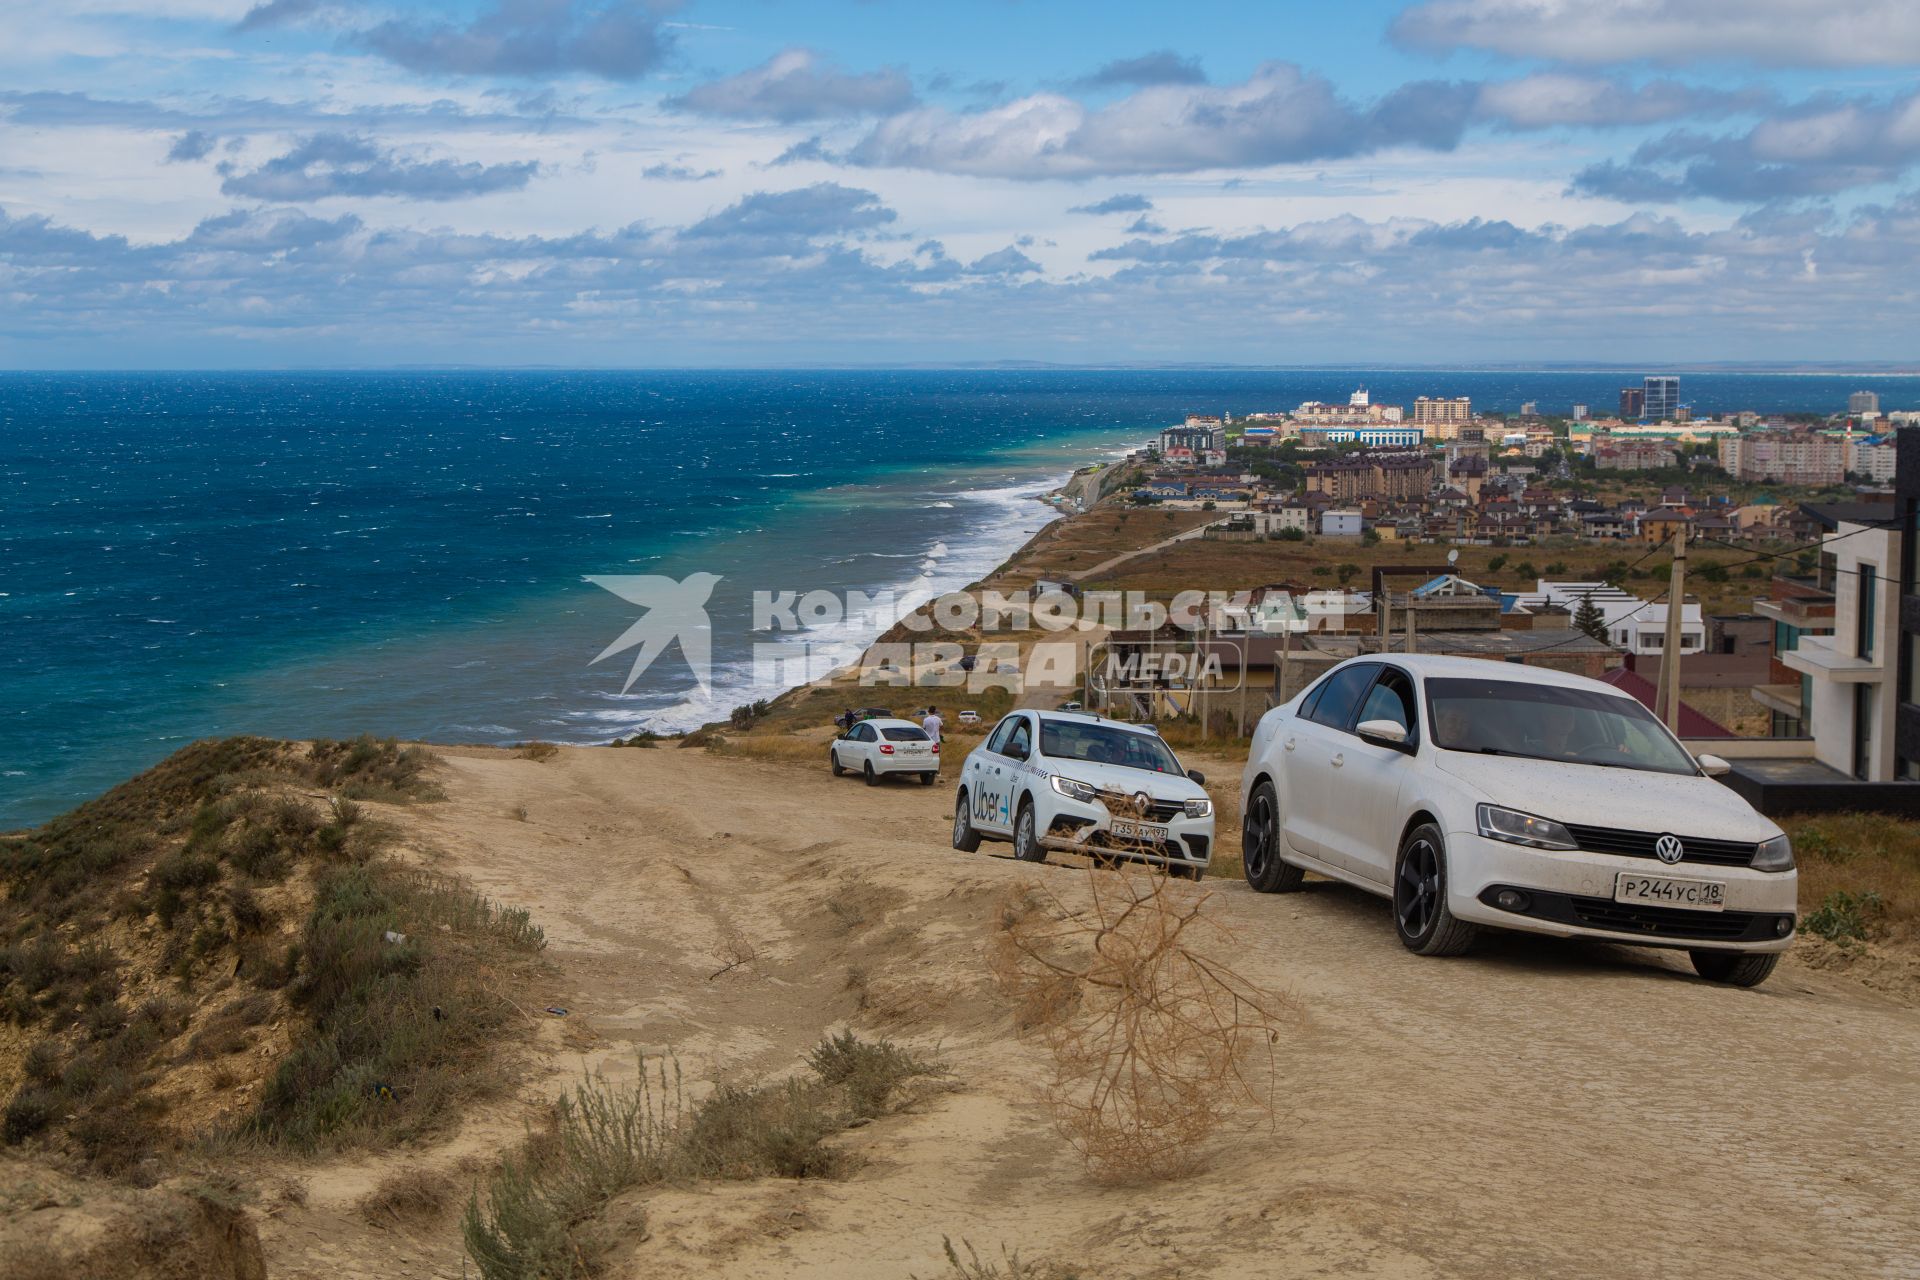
x=932, y=723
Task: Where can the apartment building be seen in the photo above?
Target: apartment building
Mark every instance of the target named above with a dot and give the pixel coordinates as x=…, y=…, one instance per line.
x=1784, y=457
x=1661, y=397
x=1389, y=474
x=1436, y=411
x=1634, y=455
x=1874, y=457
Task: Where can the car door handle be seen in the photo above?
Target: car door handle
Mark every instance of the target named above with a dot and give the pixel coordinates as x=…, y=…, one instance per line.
x=1339, y=758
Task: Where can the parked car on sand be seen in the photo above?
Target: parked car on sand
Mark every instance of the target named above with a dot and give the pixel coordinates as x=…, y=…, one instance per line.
x=1475, y=794
x=1078, y=783
x=876, y=748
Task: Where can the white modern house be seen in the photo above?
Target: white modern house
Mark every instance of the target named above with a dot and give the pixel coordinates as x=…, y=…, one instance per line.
x=1851, y=675
x=1633, y=625
x=1340, y=522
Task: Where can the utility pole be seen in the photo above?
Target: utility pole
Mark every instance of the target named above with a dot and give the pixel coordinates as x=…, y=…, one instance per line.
x=1246, y=642
x=1666, y=697
x=1410, y=648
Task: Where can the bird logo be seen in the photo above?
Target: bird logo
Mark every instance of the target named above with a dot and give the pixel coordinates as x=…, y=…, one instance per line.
x=676, y=609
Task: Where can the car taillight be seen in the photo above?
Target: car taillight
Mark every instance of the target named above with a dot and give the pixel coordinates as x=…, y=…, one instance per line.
x=936, y=748
x=886, y=748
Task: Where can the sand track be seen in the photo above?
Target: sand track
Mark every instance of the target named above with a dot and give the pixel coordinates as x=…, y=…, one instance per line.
x=1533, y=1109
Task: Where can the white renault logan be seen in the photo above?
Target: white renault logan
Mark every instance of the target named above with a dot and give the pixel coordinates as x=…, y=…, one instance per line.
x=1473, y=794
x=1080, y=783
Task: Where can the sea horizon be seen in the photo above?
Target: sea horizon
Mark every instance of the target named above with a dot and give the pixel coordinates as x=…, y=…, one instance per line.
x=405, y=553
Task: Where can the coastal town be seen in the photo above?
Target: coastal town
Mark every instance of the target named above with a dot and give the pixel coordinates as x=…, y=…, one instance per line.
x=1550, y=540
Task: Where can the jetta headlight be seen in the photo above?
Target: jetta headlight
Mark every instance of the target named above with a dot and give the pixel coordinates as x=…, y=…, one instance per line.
x=1774, y=855
x=1074, y=790
x=1516, y=827
x=1199, y=808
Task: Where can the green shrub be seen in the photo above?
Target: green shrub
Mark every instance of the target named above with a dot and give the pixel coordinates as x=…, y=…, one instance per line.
x=1843, y=916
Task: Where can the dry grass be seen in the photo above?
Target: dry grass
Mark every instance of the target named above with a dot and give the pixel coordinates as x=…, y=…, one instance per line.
x=538, y=1219
x=1010, y=1266
x=538, y=751
x=1151, y=1030
x=1856, y=854
x=409, y=1196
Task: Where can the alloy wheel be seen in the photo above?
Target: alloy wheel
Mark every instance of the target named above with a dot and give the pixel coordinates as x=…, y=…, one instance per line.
x=1418, y=896
x=1256, y=836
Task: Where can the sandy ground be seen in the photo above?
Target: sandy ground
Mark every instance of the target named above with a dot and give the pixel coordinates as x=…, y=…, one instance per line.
x=1534, y=1109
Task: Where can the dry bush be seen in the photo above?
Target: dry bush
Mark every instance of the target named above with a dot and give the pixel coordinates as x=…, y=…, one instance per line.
x=538, y=750
x=407, y=1195
x=1152, y=1032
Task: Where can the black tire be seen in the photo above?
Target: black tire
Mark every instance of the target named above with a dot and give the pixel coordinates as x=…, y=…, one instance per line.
x=1260, y=845
x=1026, y=840
x=1420, y=914
x=1735, y=968
x=928, y=779
x=833, y=760
x=965, y=838
x=873, y=779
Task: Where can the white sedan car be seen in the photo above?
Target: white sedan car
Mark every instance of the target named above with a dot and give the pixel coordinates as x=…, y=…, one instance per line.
x=1479, y=794
x=1079, y=783
x=878, y=747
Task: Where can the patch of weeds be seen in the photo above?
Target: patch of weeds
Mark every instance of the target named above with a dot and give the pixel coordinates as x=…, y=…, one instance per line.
x=1010, y=1266
x=849, y=915
x=538, y=751
x=536, y=1221
x=1843, y=917
x=370, y=769
x=400, y=1025
x=409, y=1195
x=873, y=1074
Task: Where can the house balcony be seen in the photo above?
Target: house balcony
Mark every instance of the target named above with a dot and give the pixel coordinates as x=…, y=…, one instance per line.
x=1783, y=698
x=1806, y=614
x=1817, y=657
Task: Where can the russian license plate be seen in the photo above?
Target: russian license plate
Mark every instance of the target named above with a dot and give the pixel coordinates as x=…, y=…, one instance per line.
x=1139, y=831
x=1688, y=895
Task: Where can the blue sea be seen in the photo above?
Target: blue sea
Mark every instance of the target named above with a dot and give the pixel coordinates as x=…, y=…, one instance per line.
x=408, y=553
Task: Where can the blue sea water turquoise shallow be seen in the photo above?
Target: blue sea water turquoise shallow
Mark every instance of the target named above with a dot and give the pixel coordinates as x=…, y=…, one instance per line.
x=406, y=553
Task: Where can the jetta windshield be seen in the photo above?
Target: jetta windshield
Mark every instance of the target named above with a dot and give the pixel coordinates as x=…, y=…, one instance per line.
x=1101, y=744
x=1548, y=722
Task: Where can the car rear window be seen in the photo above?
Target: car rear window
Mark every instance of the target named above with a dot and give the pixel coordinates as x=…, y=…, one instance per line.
x=905, y=733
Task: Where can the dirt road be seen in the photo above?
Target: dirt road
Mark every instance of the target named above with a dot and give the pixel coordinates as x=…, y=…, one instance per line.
x=1535, y=1109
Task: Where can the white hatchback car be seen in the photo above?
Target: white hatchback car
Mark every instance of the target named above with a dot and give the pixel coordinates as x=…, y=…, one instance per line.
x=876, y=748
x=1082, y=784
x=1473, y=794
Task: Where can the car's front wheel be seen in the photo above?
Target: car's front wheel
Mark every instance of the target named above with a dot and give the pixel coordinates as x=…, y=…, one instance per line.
x=965, y=838
x=1735, y=968
x=1260, y=858
x=1026, y=838
x=1420, y=911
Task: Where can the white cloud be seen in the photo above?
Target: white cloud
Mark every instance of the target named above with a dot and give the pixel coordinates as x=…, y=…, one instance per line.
x=1278, y=115
x=797, y=84
x=1834, y=33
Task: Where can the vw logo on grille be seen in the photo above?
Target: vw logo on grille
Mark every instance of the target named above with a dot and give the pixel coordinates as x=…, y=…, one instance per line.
x=1669, y=848
x=1142, y=802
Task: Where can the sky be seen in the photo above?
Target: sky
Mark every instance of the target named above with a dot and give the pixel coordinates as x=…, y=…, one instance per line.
x=328, y=183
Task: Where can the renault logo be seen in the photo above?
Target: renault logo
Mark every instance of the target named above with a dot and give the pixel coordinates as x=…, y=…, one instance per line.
x=1669, y=848
x=1142, y=802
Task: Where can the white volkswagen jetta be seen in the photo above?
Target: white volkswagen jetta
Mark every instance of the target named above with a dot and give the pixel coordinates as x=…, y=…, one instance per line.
x=876, y=748
x=1479, y=794
x=1083, y=784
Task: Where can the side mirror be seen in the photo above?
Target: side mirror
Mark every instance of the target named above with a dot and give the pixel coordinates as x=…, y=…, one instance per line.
x=1383, y=733
x=1197, y=776
x=1714, y=766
